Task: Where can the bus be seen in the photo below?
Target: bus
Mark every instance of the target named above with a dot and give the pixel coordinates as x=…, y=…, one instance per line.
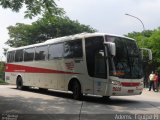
x=87, y=63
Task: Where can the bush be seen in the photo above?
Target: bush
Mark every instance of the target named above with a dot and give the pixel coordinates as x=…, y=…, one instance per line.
x=2, y=81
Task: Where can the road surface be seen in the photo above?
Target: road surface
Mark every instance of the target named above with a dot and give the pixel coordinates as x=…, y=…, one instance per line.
x=51, y=105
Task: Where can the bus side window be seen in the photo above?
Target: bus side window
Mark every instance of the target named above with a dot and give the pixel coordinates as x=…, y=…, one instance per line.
x=73, y=49
x=10, y=56
x=41, y=52
x=29, y=54
x=55, y=51
x=19, y=56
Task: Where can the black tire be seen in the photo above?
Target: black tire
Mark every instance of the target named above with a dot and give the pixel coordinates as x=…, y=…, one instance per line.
x=19, y=83
x=43, y=89
x=76, y=91
x=107, y=98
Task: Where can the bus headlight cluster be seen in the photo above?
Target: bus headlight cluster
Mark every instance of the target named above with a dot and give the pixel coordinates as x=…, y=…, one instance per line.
x=116, y=83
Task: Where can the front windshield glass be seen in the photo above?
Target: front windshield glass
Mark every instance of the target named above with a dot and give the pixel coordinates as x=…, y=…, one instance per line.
x=127, y=62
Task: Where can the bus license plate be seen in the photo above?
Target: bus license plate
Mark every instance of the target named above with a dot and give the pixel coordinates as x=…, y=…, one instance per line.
x=130, y=91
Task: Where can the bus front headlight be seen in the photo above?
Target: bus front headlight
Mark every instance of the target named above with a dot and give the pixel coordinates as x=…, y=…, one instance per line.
x=116, y=83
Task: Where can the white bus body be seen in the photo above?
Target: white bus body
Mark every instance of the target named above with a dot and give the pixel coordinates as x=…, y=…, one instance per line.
x=83, y=63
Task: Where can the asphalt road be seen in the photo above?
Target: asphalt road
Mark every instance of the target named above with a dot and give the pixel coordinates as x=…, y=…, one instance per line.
x=52, y=105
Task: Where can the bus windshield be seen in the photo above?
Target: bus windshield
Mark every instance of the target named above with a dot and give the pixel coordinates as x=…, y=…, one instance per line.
x=127, y=63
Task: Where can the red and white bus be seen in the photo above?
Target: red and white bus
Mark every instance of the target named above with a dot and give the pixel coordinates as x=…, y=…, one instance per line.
x=87, y=63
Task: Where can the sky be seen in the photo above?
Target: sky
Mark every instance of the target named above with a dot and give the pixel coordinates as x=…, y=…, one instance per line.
x=107, y=16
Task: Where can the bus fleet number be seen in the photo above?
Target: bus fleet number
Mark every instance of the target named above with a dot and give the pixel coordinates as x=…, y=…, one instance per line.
x=116, y=88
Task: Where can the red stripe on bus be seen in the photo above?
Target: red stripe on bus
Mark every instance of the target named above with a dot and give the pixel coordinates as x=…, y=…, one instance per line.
x=28, y=69
x=130, y=84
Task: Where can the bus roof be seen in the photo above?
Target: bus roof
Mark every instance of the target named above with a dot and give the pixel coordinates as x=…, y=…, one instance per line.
x=66, y=38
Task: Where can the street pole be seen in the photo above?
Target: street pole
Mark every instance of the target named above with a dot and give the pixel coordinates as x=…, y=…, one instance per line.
x=142, y=26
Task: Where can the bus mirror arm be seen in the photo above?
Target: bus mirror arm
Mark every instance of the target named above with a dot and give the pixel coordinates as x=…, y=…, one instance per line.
x=111, y=47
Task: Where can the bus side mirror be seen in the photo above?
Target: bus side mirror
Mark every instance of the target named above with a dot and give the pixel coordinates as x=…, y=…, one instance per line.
x=146, y=53
x=111, y=47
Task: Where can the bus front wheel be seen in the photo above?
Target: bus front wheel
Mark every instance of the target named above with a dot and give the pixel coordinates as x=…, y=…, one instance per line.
x=76, y=91
x=43, y=89
x=106, y=98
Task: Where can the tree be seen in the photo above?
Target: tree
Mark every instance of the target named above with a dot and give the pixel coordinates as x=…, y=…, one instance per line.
x=33, y=7
x=5, y=51
x=139, y=36
x=45, y=28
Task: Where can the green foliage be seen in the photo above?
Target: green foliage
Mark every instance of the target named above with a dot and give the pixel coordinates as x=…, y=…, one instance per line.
x=151, y=40
x=2, y=66
x=45, y=28
x=2, y=81
x=33, y=7
x=5, y=51
x=141, y=37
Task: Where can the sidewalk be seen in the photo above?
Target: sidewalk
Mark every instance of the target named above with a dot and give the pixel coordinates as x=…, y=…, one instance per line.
x=147, y=89
x=150, y=94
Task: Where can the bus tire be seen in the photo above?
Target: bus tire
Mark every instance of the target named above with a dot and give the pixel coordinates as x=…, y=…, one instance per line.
x=19, y=83
x=43, y=89
x=106, y=98
x=76, y=90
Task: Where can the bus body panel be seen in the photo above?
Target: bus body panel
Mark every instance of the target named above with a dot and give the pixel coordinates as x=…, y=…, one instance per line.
x=57, y=73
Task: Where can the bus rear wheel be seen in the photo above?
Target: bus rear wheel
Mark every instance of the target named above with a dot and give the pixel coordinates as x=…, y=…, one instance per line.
x=76, y=91
x=19, y=83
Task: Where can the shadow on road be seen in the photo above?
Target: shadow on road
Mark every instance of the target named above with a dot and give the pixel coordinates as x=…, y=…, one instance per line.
x=91, y=99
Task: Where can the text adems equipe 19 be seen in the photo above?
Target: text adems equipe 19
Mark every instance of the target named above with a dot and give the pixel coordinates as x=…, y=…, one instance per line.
x=137, y=116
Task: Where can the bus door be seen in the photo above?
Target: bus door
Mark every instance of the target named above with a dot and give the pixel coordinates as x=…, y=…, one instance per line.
x=96, y=64
x=100, y=73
